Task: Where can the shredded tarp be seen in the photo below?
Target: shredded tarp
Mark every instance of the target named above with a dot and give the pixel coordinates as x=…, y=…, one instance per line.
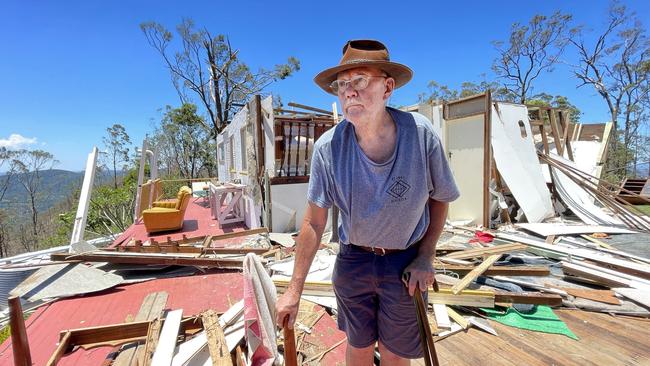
x=542, y=319
x=259, y=313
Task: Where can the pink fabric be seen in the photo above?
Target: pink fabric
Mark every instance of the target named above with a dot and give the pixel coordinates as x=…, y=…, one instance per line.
x=259, y=313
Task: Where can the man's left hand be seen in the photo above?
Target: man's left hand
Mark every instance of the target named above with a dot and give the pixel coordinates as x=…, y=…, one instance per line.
x=421, y=274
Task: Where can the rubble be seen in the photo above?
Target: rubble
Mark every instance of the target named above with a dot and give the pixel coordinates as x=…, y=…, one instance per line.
x=526, y=259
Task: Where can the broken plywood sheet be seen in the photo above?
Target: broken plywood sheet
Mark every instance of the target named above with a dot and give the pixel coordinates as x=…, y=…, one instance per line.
x=517, y=162
x=325, y=344
x=65, y=280
x=546, y=229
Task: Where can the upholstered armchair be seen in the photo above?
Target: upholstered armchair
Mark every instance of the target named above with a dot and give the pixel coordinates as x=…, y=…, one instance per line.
x=168, y=218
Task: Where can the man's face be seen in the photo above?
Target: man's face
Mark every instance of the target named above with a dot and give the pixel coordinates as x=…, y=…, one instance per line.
x=367, y=102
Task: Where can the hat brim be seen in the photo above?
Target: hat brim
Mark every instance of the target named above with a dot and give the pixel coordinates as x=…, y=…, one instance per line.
x=401, y=73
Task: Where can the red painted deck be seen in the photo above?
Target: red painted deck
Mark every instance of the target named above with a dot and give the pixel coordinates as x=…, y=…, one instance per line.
x=198, y=222
x=193, y=294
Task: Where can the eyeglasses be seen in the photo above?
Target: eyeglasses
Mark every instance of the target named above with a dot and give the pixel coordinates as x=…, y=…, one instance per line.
x=357, y=83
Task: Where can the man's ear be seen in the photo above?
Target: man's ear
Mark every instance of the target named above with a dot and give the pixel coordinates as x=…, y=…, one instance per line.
x=389, y=87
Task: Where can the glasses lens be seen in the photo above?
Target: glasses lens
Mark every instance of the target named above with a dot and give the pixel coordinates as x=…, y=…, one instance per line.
x=335, y=86
x=359, y=82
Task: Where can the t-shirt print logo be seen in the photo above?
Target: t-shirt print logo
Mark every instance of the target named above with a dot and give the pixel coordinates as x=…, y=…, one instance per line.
x=399, y=188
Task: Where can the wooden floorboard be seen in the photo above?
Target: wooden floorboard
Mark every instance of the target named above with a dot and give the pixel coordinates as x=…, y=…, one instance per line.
x=604, y=340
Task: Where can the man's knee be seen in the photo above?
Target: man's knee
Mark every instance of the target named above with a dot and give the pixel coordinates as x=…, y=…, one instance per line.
x=389, y=358
x=360, y=356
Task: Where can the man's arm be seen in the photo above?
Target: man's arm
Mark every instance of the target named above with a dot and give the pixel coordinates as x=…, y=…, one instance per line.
x=421, y=269
x=307, y=244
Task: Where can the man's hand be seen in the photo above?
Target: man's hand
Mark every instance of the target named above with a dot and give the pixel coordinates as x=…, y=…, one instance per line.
x=287, y=306
x=421, y=274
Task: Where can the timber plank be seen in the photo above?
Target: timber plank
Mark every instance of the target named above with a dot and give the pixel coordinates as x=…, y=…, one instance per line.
x=483, y=252
x=497, y=270
x=152, y=306
x=471, y=276
x=216, y=339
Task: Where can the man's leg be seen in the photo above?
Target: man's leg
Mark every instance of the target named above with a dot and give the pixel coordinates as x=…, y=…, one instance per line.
x=389, y=358
x=361, y=356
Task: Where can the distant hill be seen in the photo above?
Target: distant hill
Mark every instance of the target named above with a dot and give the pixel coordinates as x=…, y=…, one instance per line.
x=57, y=185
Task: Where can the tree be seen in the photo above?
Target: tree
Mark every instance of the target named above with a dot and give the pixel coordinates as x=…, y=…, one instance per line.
x=531, y=50
x=440, y=92
x=557, y=101
x=617, y=66
x=117, y=144
x=9, y=166
x=30, y=164
x=185, y=143
x=208, y=67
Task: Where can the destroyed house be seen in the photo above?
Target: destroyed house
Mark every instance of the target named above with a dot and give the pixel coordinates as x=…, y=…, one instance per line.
x=541, y=261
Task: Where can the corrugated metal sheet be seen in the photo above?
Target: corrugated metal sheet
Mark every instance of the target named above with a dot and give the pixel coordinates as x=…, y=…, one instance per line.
x=193, y=294
x=9, y=279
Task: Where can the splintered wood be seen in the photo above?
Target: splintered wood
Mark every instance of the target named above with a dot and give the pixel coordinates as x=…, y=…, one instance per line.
x=216, y=339
x=318, y=340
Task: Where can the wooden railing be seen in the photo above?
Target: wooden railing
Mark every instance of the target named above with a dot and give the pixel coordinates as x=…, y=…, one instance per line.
x=294, y=143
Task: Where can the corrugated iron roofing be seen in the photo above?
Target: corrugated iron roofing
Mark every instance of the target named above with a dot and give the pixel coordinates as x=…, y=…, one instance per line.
x=9, y=279
x=193, y=294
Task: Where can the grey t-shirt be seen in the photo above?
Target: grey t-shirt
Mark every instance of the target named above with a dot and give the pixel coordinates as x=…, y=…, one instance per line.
x=381, y=205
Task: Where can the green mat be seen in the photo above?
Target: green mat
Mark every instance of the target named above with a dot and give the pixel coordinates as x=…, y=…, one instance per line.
x=543, y=319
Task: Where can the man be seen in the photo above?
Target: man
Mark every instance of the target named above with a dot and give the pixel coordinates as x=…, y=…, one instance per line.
x=386, y=172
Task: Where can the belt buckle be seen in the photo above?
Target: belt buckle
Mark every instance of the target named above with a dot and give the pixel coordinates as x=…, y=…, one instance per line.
x=382, y=251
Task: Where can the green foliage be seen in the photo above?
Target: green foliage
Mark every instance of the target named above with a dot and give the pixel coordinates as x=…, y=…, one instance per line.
x=209, y=68
x=440, y=92
x=111, y=209
x=557, y=101
x=185, y=145
x=117, y=144
x=531, y=49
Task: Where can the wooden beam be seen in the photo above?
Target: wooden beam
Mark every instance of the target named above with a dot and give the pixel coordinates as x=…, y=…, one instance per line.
x=308, y=108
x=19, y=341
x=535, y=298
x=497, y=270
x=473, y=298
x=153, y=333
x=464, y=323
x=487, y=251
x=471, y=276
x=100, y=256
x=487, y=157
x=216, y=339
x=61, y=347
x=150, y=309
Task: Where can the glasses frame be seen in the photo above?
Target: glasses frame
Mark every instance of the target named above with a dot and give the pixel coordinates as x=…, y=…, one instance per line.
x=335, y=85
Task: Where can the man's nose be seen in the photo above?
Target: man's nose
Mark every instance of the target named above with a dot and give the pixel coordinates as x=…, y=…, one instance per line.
x=349, y=91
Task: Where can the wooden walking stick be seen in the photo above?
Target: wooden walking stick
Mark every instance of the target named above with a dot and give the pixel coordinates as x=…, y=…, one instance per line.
x=429, y=348
x=290, y=353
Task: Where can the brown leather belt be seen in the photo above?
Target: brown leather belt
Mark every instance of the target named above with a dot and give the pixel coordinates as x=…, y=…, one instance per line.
x=377, y=251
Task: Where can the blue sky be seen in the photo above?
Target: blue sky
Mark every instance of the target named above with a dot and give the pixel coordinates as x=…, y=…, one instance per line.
x=70, y=69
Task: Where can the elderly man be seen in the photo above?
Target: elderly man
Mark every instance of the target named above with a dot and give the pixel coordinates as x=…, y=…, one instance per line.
x=386, y=172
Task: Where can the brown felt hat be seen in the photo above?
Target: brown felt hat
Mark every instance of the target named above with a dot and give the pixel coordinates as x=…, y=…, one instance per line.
x=360, y=53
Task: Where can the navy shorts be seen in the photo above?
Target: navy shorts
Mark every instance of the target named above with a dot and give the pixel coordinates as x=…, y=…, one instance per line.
x=373, y=302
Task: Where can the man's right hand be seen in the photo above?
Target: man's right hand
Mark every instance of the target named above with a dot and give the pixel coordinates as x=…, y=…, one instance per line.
x=287, y=306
